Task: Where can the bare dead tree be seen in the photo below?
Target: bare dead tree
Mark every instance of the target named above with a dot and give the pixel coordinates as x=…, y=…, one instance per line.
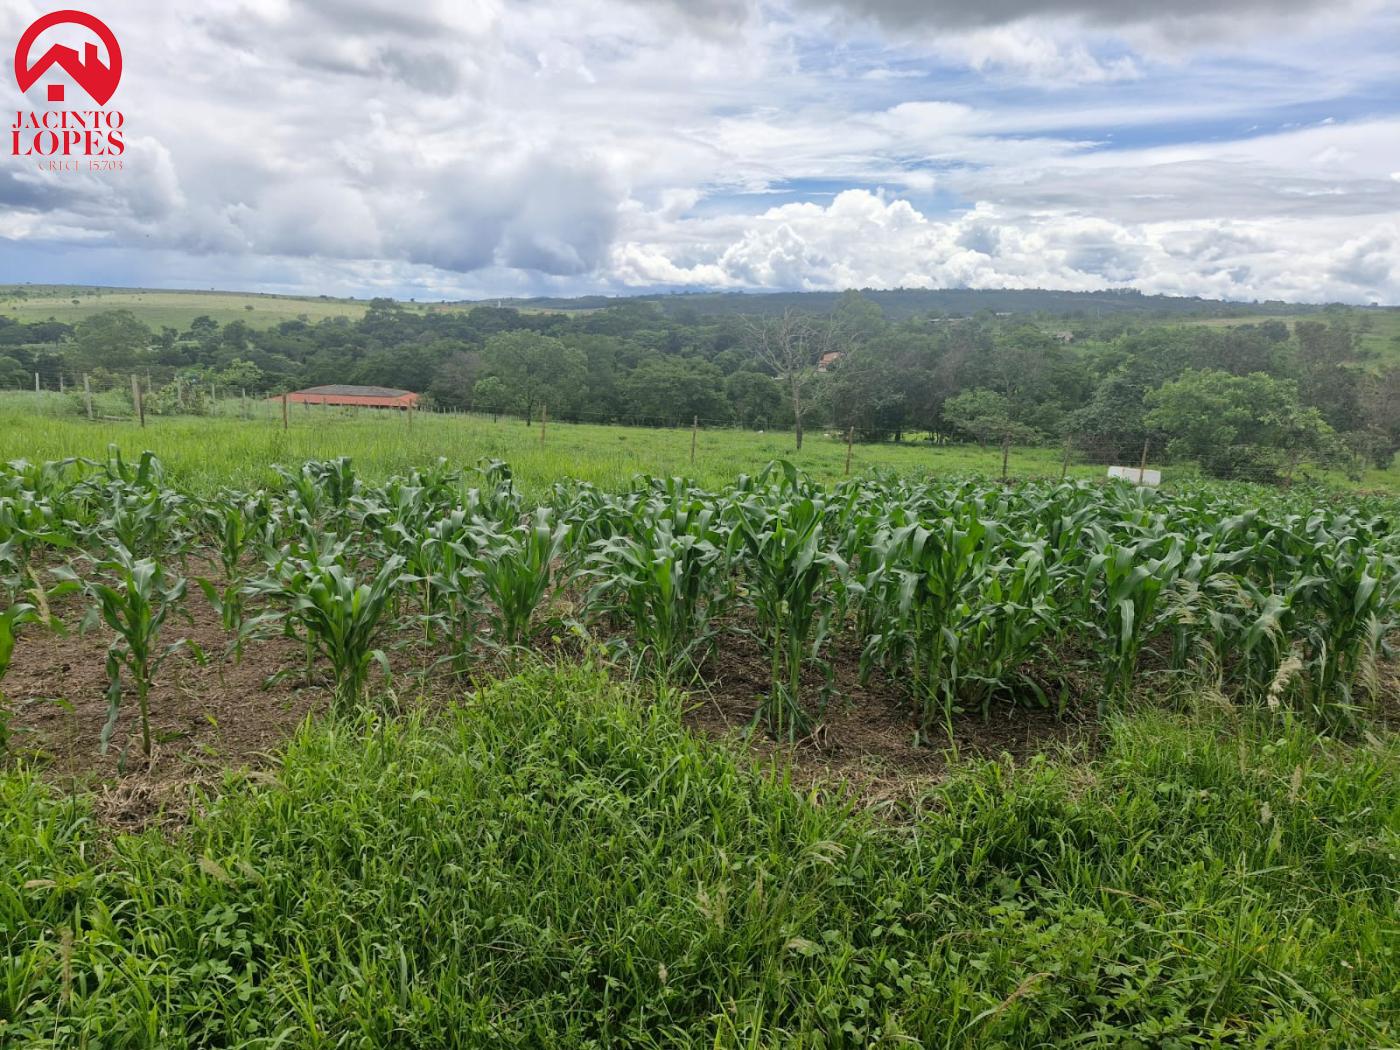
x=791, y=346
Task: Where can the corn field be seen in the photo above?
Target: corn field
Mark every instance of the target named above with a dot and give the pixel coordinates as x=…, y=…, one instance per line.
x=967, y=593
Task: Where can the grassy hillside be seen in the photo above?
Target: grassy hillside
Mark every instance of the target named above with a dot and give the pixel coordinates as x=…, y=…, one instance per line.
x=159, y=308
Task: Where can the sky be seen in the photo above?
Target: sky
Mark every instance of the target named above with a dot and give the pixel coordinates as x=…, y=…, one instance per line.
x=448, y=149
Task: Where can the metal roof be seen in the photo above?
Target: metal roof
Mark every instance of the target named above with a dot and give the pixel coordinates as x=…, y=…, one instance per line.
x=341, y=390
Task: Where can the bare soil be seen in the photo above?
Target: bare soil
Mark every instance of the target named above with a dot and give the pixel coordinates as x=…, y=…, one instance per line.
x=223, y=717
x=866, y=740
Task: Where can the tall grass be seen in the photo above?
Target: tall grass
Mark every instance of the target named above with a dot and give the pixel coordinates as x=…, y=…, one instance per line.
x=553, y=863
x=208, y=453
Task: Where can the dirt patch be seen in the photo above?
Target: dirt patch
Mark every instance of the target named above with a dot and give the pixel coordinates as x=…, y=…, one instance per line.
x=867, y=736
x=205, y=718
x=221, y=715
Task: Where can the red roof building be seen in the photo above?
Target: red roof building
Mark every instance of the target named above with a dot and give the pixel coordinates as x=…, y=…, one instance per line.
x=359, y=396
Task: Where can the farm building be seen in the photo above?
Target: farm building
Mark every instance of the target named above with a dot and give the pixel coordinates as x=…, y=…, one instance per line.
x=362, y=396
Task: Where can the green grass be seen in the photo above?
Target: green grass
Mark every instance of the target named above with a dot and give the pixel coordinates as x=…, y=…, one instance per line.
x=210, y=452
x=161, y=307
x=555, y=863
x=228, y=450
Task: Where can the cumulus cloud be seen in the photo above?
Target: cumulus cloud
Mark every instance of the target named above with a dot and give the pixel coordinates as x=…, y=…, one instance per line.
x=479, y=147
x=866, y=239
x=946, y=14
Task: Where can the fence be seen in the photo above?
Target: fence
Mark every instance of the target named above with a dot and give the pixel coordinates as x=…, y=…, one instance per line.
x=150, y=395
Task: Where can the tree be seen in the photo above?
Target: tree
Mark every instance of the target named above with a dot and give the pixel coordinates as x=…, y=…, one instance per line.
x=489, y=395
x=456, y=378
x=790, y=346
x=114, y=340
x=753, y=397
x=1327, y=355
x=536, y=370
x=241, y=375
x=1240, y=426
x=675, y=390
x=1110, y=428
x=13, y=374
x=986, y=416
x=869, y=392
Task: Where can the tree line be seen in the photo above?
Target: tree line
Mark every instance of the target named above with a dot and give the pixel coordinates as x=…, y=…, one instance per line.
x=1251, y=399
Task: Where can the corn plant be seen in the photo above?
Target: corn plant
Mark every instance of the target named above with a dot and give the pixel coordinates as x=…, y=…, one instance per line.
x=134, y=599
x=787, y=569
x=1349, y=605
x=335, y=615
x=923, y=579
x=516, y=567
x=235, y=522
x=1125, y=583
x=12, y=618
x=667, y=586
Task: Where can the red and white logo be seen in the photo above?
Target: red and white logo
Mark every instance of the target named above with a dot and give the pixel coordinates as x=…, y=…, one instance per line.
x=57, y=136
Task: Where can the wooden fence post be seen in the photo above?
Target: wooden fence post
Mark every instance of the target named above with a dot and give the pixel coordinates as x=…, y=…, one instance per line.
x=1064, y=468
x=87, y=396
x=544, y=421
x=694, y=433
x=36, y=382
x=850, y=440
x=140, y=404
x=284, y=412
x=1142, y=468
x=244, y=393
x=1005, y=455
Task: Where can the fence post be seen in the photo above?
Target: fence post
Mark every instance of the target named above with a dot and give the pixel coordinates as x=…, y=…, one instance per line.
x=694, y=433
x=284, y=412
x=87, y=396
x=1064, y=468
x=850, y=440
x=140, y=403
x=244, y=394
x=1005, y=455
x=36, y=382
x=1142, y=468
x=60, y=383
x=544, y=421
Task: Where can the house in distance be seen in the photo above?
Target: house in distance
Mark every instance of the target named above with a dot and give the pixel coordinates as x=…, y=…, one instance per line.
x=357, y=396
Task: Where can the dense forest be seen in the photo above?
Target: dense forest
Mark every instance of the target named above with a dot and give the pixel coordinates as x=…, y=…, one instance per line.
x=1247, y=399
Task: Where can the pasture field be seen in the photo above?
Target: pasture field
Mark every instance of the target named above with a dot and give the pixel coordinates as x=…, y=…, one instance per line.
x=228, y=448
x=164, y=307
x=310, y=740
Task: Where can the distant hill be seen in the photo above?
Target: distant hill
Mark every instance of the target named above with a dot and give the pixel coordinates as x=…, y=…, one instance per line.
x=160, y=307
x=177, y=307
x=901, y=303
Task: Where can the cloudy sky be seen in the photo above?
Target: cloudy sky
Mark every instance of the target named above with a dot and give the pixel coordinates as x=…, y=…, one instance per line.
x=465, y=148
